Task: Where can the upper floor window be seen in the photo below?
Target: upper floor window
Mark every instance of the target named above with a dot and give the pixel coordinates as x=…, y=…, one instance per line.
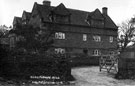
x=84, y=37
x=59, y=35
x=59, y=50
x=97, y=38
x=96, y=52
x=111, y=39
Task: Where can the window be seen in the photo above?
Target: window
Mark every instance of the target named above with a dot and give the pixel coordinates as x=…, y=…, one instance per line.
x=97, y=38
x=111, y=39
x=112, y=53
x=84, y=37
x=59, y=35
x=96, y=53
x=59, y=50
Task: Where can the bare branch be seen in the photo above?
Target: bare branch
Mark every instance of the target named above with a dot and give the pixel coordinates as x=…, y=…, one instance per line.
x=126, y=32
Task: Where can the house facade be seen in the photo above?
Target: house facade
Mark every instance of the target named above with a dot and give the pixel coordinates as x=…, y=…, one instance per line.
x=75, y=31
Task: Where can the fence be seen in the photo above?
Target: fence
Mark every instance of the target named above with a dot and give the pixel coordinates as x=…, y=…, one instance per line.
x=108, y=62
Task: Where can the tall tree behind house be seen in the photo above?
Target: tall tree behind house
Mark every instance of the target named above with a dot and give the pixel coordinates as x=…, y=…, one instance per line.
x=126, y=33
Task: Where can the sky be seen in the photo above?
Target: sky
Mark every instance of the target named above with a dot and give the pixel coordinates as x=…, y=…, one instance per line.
x=118, y=10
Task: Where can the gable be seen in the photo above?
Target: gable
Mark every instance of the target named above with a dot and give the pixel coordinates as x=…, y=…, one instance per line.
x=17, y=20
x=43, y=12
x=23, y=16
x=96, y=15
x=61, y=10
x=26, y=15
x=109, y=22
x=35, y=10
x=95, y=19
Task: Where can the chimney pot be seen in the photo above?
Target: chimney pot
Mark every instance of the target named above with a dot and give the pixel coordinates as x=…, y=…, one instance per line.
x=47, y=3
x=104, y=10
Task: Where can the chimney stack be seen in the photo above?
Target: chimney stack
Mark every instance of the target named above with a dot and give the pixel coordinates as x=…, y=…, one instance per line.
x=47, y=3
x=104, y=10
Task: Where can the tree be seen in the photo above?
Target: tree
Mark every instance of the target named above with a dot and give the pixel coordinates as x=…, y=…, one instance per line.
x=3, y=52
x=34, y=39
x=126, y=33
x=3, y=30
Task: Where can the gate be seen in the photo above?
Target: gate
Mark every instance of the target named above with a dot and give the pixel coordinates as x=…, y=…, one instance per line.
x=108, y=62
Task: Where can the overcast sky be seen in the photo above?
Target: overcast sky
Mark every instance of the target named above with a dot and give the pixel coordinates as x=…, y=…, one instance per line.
x=118, y=10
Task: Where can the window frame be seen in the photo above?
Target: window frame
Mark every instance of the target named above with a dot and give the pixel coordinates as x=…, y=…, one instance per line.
x=111, y=39
x=96, y=52
x=97, y=38
x=59, y=35
x=84, y=37
x=59, y=50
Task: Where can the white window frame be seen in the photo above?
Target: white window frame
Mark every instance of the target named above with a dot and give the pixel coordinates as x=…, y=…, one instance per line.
x=59, y=50
x=59, y=35
x=97, y=38
x=84, y=37
x=111, y=39
x=56, y=51
x=96, y=52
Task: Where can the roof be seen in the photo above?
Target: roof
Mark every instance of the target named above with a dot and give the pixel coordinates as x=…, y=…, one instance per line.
x=77, y=17
x=109, y=22
x=96, y=15
x=44, y=11
x=17, y=20
x=61, y=10
x=26, y=14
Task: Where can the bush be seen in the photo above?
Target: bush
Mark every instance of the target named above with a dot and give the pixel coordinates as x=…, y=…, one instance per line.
x=26, y=65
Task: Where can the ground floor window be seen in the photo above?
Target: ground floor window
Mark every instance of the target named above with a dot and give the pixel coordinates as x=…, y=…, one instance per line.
x=59, y=51
x=96, y=52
